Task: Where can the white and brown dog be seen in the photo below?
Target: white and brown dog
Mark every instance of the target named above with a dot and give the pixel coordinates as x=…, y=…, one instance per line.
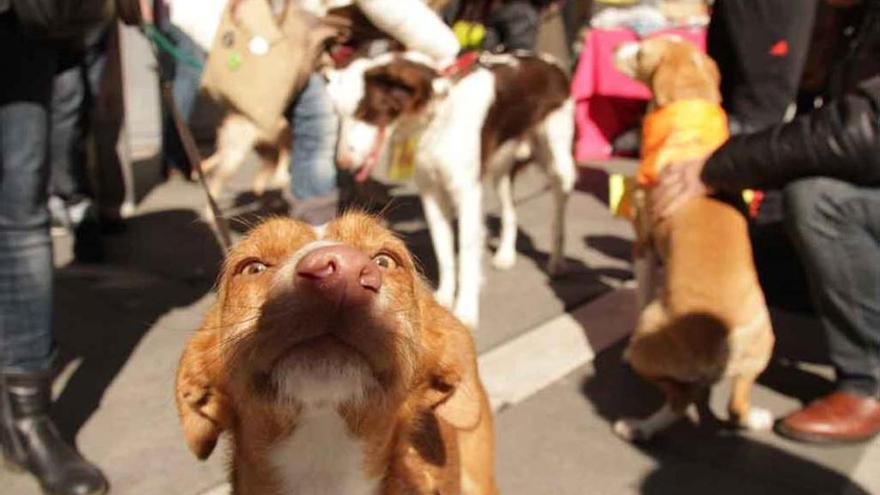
x=333, y=370
x=477, y=126
x=706, y=318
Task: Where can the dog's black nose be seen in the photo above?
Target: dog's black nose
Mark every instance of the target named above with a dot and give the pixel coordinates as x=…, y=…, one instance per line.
x=340, y=273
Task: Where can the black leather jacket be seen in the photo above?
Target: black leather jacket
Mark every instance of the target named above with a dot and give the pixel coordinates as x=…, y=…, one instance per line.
x=840, y=140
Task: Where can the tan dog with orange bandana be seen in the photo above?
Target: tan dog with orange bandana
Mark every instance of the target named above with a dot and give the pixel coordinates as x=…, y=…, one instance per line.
x=707, y=320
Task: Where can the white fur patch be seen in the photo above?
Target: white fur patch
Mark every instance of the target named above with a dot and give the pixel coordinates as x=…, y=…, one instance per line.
x=324, y=383
x=322, y=458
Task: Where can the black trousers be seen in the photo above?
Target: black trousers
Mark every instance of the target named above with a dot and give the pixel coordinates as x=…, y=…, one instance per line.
x=760, y=47
x=835, y=228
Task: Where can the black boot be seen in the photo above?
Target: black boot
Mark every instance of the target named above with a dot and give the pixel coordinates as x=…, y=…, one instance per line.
x=30, y=440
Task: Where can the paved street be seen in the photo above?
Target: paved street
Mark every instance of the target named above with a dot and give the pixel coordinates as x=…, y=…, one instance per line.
x=550, y=356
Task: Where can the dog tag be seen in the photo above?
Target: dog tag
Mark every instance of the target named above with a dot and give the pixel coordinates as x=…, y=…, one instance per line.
x=403, y=154
x=258, y=45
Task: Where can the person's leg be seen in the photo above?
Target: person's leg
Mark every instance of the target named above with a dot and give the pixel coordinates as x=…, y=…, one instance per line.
x=71, y=201
x=313, y=165
x=25, y=247
x=66, y=150
x=185, y=89
x=835, y=227
x=28, y=438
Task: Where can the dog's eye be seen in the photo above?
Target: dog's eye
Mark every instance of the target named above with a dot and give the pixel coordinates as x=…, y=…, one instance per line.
x=253, y=268
x=385, y=261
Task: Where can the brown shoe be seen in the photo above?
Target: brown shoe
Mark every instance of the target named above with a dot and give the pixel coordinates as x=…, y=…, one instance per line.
x=842, y=417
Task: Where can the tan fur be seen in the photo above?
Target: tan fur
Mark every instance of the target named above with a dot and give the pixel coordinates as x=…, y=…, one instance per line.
x=426, y=430
x=707, y=318
x=236, y=137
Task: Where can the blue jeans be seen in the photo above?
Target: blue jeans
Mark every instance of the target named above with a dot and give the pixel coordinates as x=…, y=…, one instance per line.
x=185, y=89
x=26, y=341
x=74, y=89
x=315, y=128
x=835, y=227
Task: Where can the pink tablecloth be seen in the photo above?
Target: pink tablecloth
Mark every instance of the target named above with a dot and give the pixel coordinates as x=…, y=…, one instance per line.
x=608, y=102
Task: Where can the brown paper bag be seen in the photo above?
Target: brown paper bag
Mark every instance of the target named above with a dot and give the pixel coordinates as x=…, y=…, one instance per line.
x=260, y=61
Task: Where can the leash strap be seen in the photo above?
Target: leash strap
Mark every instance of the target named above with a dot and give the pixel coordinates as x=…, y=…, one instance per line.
x=221, y=228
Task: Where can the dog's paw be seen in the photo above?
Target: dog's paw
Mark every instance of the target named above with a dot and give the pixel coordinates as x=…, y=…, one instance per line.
x=758, y=419
x=629, y=430
x=504, y=260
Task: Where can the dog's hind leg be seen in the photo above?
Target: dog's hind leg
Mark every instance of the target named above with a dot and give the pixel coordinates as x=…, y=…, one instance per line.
x=640, y=430
x=439, y=220
x=208, y=164
x=678, y=397
x=235, y=142
x=281, y=175
x=471, y=238
x=558, y=136
x=740, y=407
x=261, y=180
x=505, y=255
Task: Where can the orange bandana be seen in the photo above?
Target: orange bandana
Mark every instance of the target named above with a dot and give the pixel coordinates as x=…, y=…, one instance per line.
x=683, y=130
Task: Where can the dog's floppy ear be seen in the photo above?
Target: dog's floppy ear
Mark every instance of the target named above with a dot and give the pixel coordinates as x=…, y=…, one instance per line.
x=202, y=405
x=454, y=391
x=393, y=89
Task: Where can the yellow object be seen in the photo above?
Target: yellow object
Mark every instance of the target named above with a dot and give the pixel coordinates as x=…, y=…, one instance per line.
x=403, y=154
x=470, y=35
x=620, y=188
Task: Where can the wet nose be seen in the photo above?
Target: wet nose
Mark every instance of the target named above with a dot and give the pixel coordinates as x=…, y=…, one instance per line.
x=340, y=273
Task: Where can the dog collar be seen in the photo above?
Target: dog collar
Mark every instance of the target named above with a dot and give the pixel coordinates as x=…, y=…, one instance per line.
x=462, y=65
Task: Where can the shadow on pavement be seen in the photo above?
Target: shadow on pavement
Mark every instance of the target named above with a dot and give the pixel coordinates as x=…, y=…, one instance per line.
x=690, y=457
x=611, y=246
x=577, y=285
x=248, y=209
x=163, y=261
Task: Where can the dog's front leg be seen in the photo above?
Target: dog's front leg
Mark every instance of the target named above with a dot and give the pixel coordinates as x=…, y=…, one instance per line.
x=439, y=221
x=470, y=253
x=505, y=255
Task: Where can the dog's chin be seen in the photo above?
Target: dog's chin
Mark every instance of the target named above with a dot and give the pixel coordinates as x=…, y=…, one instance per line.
x=324, y=372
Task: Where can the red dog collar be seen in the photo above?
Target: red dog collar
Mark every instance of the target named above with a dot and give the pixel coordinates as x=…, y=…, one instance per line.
x=461, y=65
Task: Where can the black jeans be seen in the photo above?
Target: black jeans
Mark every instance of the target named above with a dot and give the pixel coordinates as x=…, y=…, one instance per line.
x=835, y=227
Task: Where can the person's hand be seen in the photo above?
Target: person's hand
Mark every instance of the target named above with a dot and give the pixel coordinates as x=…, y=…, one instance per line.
x=676, y=184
